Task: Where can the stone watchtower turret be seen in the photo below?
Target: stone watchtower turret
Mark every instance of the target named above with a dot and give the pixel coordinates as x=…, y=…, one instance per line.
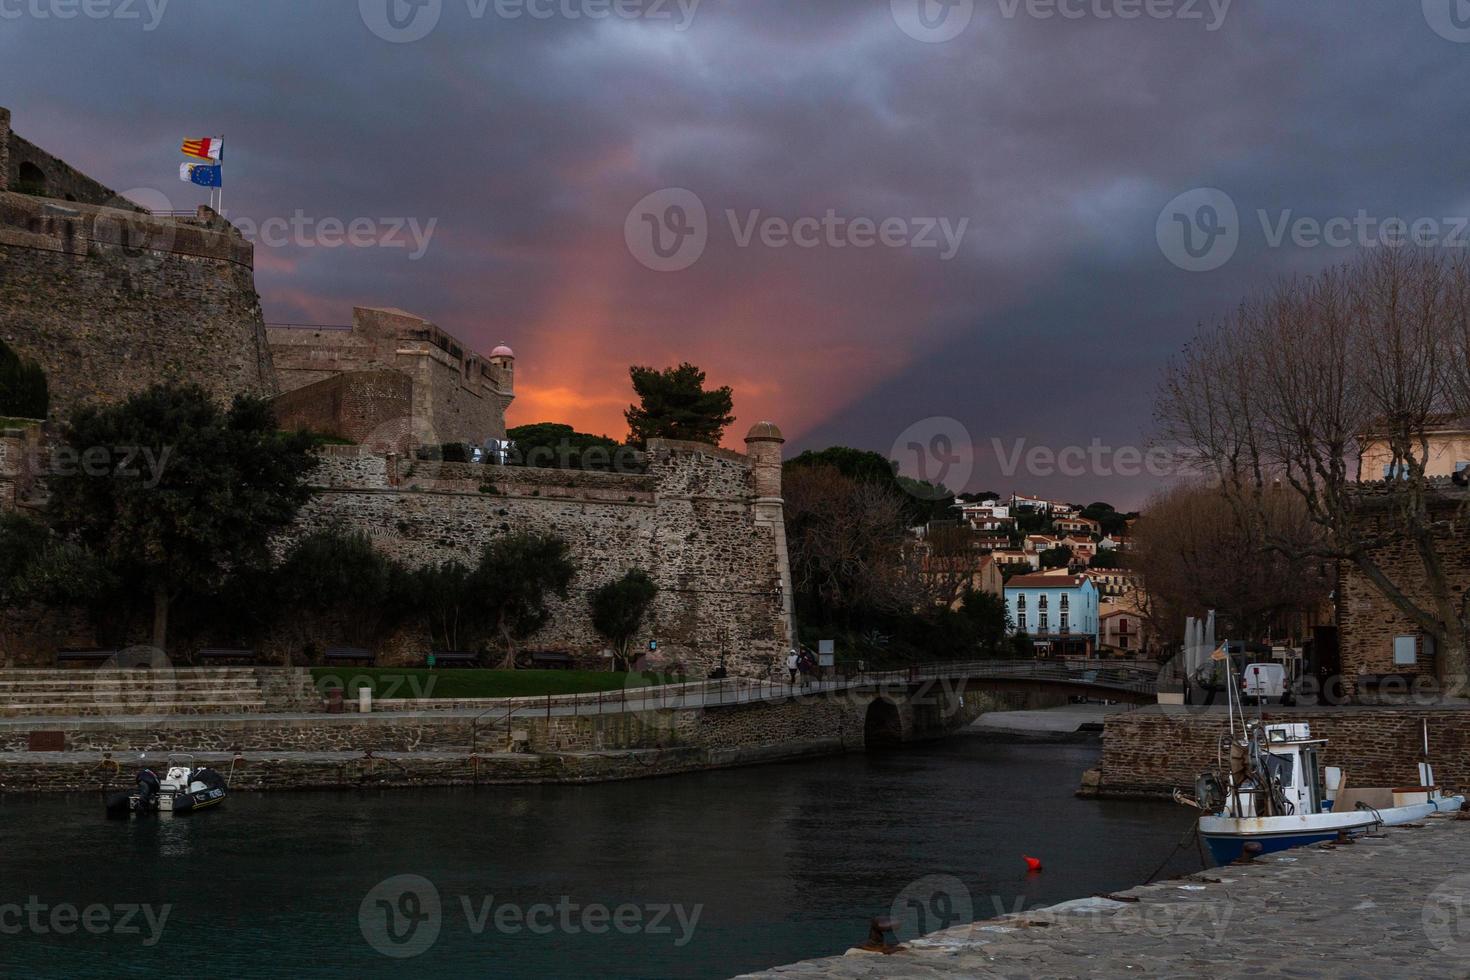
x=503, y=369
x=763, y=446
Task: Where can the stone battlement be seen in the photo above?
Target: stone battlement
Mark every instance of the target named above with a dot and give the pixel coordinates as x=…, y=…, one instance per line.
x=110, y=299
x=82, y=230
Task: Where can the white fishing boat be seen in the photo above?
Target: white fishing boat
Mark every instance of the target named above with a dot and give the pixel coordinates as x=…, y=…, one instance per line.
x=1268, y=793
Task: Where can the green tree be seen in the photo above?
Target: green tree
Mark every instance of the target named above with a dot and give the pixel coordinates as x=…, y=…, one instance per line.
x=1112, y=522
x=1033, y=521
x=331, y=570
x=673, y=404
x=618, y=608
x=520, y=573
x=1058, y=557
x=989, y=620
x=22, y=541
x=451, y=594
x=857, y=464
x=1108, y=558
x=173, y=493
x=923, y=501
x=551, y=445
x=23, y=390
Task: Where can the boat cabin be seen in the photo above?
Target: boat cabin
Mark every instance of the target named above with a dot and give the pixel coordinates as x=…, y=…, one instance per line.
x=1290, y=759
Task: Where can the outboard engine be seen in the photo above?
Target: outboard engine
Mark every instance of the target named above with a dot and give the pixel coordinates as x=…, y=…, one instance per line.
x=147, y=789
x=1209, y=793
x=118, y=804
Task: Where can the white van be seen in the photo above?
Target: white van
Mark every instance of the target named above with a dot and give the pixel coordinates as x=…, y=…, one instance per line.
x=1264, y=682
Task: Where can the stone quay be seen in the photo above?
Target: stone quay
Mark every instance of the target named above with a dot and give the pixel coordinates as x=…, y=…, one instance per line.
x=1390, y=904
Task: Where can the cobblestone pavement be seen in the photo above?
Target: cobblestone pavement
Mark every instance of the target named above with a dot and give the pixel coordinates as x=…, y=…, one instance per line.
x=1391, y=905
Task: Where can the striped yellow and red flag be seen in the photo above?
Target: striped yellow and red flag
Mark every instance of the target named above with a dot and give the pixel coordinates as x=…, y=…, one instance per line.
x=207, y=148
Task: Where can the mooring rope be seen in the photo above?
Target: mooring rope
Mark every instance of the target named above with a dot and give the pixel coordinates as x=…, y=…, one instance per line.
x=1193, y=831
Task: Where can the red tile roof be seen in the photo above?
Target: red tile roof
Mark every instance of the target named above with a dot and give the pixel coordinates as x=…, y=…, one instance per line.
x=1047, y=582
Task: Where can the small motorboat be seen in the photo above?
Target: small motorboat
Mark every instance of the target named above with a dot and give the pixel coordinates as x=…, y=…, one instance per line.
x=184, y=788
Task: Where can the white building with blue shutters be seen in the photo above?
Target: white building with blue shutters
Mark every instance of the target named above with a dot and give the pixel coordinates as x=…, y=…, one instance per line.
x=1058, y=612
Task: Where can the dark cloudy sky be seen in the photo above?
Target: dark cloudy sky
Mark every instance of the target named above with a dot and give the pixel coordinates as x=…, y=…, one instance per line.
x=1057, y=143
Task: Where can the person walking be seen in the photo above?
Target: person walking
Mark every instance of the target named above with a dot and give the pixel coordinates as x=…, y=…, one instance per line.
x=792, y=663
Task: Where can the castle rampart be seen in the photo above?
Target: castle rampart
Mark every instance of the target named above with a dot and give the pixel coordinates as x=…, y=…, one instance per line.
x=110, y=299
x=691, y=522
x=457, y=395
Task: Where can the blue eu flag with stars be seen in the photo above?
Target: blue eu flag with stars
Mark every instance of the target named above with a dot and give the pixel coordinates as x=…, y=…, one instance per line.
x=202, y=174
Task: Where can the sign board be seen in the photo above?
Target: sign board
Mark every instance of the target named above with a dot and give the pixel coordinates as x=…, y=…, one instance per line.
x=827, y=647
x=826, y=660
x=652, y=645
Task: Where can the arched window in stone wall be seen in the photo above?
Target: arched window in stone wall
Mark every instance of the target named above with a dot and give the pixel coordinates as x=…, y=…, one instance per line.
x=31, y=179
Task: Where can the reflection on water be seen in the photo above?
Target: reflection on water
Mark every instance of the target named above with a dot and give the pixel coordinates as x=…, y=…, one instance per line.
x=778, y=863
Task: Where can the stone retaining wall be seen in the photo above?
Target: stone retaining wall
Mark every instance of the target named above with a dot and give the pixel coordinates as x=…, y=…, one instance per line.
x=1152, y=751
x=326, y=733
x=282, y=754
x=265, y=771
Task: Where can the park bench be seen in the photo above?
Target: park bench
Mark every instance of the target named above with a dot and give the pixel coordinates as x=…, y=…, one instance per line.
x=453, y=658
x=546, y=660
x=222, y=655
x=95, y=658
x=348, y=655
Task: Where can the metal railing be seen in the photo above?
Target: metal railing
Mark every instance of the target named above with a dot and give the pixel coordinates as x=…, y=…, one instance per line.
x=1137, y=677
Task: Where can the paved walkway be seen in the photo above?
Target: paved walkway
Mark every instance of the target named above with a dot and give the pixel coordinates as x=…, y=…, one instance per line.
x=1064, y=720
x=1388, y=906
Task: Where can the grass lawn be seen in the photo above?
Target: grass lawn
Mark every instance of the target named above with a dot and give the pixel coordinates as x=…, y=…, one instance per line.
x=389, y=683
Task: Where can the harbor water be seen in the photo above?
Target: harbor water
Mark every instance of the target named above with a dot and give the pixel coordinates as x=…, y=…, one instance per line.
x=703, y=875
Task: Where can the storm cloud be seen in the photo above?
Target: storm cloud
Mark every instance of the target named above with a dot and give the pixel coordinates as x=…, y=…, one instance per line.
x=871, y=217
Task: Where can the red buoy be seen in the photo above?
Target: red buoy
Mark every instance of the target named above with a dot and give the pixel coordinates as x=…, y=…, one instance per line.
x=1032, y=864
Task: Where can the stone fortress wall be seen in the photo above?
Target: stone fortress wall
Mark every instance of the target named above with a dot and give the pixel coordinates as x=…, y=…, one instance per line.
x=109, y=299
x=691, y=522
x=328, y=375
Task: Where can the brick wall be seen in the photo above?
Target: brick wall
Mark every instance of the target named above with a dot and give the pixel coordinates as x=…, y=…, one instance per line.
x=1153, y=751
x=1368, y=622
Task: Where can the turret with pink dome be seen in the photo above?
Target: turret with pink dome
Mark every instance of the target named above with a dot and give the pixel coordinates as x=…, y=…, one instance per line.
x=503, y=368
